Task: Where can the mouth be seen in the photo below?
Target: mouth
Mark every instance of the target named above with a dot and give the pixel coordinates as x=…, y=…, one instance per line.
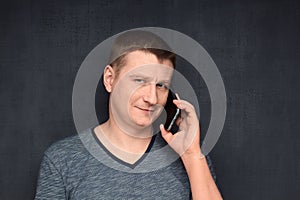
x=148, y=110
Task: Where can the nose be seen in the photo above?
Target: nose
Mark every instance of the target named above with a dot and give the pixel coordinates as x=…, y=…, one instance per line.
x=151, y=94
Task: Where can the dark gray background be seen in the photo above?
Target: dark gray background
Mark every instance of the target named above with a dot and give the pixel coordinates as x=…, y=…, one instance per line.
x=255, y=45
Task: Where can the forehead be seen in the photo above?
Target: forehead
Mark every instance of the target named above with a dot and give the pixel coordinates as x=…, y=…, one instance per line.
x=136, y=59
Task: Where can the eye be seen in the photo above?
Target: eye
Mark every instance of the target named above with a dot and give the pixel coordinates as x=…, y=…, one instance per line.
x=162, y=86
x=138, y=80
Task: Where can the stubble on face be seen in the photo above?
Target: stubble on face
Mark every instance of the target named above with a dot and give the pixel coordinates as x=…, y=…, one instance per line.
x=140, y=91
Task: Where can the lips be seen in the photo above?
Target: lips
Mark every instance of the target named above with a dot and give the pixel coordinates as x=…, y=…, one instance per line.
x=145, y=109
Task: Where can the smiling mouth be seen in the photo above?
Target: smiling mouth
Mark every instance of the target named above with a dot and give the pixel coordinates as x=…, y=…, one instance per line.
x=146, y=109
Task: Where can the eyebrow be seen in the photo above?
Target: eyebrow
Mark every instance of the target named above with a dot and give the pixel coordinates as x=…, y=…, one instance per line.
x=147, y=78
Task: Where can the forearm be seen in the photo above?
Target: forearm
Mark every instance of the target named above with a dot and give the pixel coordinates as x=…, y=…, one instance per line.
x=202, y=184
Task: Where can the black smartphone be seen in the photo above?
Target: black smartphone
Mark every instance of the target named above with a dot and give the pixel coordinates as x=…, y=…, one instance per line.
x=172, y=111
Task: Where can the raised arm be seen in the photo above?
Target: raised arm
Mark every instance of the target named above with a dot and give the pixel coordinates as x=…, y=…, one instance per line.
x=186, y=143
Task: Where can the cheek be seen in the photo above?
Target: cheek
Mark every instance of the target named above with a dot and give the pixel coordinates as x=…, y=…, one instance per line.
x=136, y=93
x=134, y=98
x=162, y=97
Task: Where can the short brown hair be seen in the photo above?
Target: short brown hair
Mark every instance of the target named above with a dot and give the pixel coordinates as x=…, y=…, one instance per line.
x=139, y=40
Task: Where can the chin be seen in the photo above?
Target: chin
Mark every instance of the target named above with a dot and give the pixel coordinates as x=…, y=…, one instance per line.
x=143, y=124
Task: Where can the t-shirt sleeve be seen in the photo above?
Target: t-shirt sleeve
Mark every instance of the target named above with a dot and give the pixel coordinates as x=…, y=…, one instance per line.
x=50, y=184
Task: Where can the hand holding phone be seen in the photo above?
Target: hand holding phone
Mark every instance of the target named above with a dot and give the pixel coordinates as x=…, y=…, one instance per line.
x=187, y=137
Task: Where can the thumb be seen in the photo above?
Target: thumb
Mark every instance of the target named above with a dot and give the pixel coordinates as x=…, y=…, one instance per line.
x=167, y=135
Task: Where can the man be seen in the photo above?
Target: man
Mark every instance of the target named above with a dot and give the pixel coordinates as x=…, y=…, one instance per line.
x=138, y=80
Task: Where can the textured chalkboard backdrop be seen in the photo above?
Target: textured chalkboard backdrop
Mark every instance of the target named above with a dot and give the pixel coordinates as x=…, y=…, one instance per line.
x=255, y=45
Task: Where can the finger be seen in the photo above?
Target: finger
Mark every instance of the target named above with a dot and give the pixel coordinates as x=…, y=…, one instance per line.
x=167, y=135
x=178, y=104
x=184, y=105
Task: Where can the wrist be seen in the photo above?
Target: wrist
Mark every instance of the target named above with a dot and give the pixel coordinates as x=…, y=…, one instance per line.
x=189, y=157
x=193, y=155
x=193, y=161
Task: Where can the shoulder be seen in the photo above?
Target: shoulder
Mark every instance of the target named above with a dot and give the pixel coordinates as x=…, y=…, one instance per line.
x=66, y=149
x=61, y=146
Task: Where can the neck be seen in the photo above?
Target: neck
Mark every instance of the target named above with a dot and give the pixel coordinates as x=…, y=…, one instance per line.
x=125, y=141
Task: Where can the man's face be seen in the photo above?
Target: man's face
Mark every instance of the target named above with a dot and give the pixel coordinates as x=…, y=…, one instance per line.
x=140, y=90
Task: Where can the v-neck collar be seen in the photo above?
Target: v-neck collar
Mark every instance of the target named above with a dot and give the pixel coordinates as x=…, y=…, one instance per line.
x=122, y=162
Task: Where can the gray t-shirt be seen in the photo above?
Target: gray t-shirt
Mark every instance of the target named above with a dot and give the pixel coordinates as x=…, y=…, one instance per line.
x=70, y=171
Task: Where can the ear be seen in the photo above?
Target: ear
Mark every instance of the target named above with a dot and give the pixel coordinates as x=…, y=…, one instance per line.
x=108, y=78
